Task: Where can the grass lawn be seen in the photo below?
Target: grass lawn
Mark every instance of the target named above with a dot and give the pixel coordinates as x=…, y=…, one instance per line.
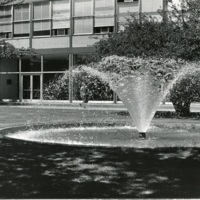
x=33, y=170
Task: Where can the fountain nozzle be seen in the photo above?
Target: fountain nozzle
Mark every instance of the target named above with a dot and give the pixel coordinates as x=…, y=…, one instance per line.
x=142, y=135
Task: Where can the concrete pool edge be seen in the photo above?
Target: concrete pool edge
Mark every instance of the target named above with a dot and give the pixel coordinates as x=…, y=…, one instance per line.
x=185, y=138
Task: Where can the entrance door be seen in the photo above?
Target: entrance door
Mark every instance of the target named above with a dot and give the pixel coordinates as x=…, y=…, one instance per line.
x=31, y=87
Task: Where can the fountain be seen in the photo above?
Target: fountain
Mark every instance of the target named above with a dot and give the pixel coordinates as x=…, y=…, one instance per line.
x=141, y=84
x=141, y=97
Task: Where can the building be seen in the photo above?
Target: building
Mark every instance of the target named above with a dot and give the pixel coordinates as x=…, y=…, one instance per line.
x=61, y=31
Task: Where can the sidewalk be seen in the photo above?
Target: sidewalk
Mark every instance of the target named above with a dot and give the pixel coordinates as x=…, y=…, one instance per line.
x=92, y=105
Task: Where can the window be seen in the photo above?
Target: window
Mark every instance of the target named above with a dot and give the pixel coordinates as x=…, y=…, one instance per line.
x=104, y=13
x=83, y=25
x=5, y=22
x=126, y=0
x=56, y=62
x=21, y=12
x=41, y=10
x=83, y=16
x=5, y=31
x=83, y=8
x=41, y=16
x=124, y=11
x=61, y=17
x=21, y=29
x=104, y=21
x=103, y=29
x=104, y=7
x=41, y=28
x=21, y=21
x=60, y=32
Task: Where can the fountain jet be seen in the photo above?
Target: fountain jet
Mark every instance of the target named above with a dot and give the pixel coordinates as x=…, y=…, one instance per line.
x=141, y=96
x=140, y=83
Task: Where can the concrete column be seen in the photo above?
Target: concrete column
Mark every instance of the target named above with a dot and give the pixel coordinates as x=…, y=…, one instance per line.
x=115, y=31
x=165, y=4
x=12, y=26
x=115, y=17
x=1, y=88
x=140, y=10
x=41, y=77
x=20, y=80
x=31, y=24
x=71, y=54
x=70, y=78
x=31, y=87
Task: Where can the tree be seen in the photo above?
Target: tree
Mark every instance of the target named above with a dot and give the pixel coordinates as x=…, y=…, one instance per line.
x=151, y=38
x=138, y=39
x=177, y=37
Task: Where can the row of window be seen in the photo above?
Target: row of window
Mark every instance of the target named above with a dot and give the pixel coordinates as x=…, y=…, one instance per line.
x=53, y=18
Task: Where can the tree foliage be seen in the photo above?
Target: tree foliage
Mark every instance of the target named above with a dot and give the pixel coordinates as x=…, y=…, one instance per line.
x=7, y=50
x=8, y=2
x=176, y=37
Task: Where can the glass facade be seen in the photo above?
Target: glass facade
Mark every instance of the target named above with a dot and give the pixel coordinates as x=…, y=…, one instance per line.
x=31, y=65
x=55, y=63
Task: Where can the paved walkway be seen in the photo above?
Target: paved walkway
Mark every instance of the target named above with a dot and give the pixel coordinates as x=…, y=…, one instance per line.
x=15, y=115
x=195, y=107
x=92, y=105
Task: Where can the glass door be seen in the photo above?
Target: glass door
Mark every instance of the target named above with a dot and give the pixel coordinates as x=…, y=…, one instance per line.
x=31, y=86
x=36, y=87
x=26, y=87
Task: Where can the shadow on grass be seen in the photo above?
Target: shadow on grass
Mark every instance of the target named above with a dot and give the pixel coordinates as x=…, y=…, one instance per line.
x=32, y=170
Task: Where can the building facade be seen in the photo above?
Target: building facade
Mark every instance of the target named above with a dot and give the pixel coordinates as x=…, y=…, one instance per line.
x=61, y=31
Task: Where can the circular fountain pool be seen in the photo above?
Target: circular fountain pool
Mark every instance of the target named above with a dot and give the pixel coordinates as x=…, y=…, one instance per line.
x=106, y=135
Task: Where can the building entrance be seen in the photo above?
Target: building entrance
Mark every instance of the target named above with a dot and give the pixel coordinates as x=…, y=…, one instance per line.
x=31, y=86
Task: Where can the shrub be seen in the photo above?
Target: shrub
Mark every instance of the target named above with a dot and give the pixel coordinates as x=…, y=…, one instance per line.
x=185, y=91
x=58, y=87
